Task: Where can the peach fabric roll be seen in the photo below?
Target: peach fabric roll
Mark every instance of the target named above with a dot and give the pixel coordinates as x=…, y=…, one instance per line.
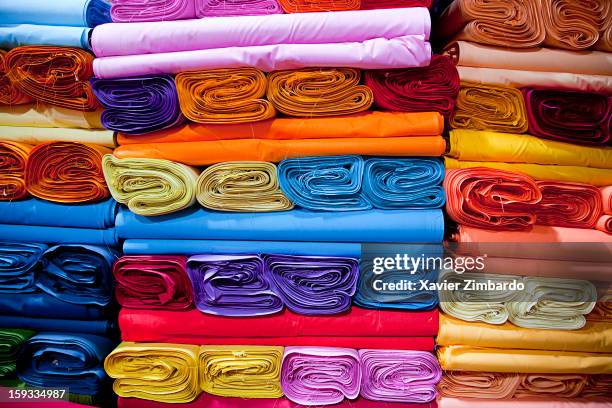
x=67, y=172
x=538, y=233
x=9, y=93
x=604, y=223
x=224, y=95
x=13, y=159
x=571, y=24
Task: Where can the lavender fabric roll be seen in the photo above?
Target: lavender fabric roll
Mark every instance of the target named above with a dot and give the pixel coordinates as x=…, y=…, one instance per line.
x=399, y=375
x=225, y=8
x=320, y=375
x=138, y=105
x=313, y=285
x=244, y=31
x=232, y=285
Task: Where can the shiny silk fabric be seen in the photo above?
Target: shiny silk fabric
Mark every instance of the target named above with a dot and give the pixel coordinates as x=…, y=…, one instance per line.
x=223, y=8
x=313, y=285
x=306, y=6
x=11, y=341
x=432, y=88
x=18, y=265
x=9, y=93
x=318, y=92
x=150, y=186
x=36, y=135
x=224, y=96
x=54, y=75
x=41, y=116
x=241, y=371
x=569, y=116
x=155, y=371
x=241, y=186
x=232, y=285
x=399, y=375
x=64, y=361
x=572, y=25
x=13, y=158
x=138, y=105
x=320, y=375
x=153, y=282
x=67, y=172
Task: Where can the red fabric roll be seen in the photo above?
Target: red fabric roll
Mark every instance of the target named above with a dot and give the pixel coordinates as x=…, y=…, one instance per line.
x=572, y=205
x=153, y=282
x=605, y=224
x=432, y=88
x=385, y=4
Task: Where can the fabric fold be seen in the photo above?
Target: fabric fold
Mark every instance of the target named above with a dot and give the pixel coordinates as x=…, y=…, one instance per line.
x=18, y=264
x=13, y=159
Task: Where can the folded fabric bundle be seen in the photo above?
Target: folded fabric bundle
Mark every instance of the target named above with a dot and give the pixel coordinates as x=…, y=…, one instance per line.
x=10, y=94
x=569, y=116
x=64, y=360
x=305, y=6
x=19, y=35
x=12, y=170
x=99, y=327
x=38, y=135
x=224, y=96
x=382, y=4
x=320, y=375
x=570, y=25
x=42, y=305
x=399, y=376
x=241, y=371
x=528, y=403
x=537, y=233
x=432, y=88
x=245, y=31
x=353, y=226
x=313, y=285
x=138, y=105
x=571, y=205
x=152, y=282
x=53, y=75
x=232, y=285
x=77, y=13
x=130, y=11
x=473, y=145
x=155, y=371
x=318, y=92
x=67, y=172
x=369, y=124
x=18, y=262
x=225, y=8
x=241, y=186
x=11, y=341
x=514, y=24
x=40, y=115
x=605, y=224
x=150, y=186
x=489, y=107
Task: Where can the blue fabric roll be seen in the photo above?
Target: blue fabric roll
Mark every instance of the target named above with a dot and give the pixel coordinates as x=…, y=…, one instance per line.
x=17, y=35
x=75, y=13
x=39, y=212
x=404, y=183
x=98, y=12
x=59, y=235
x=324, y=183
x=40, y=304
x=294, y=225
x=194, y=247
x=18, y=265
x=101, y=327
x=65, y=360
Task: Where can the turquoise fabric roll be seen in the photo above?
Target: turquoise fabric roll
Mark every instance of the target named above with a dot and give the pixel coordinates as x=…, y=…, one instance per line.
x=59, y=235
x=17, y=35
x=75, y=13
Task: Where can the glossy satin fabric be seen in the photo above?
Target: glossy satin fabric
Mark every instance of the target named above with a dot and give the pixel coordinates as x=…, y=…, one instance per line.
x=569, y=116
x=10, y=94
x=40, y=115
x=221, y=8
x=320, y=375
x=77, y=13
x=155, y=371
x=18, y=264
x=557, y=403
x=42, y=305
x=19, y=35
x=53, y=75
x=305, y=6
x=67, y=172
x=129, y=11
x=99, y=327
x=241, y=371
x=13, y=158
x=138, y=105
x=64, y=360
x=38, y=135
x=241, y=186
x=59, y=235
x=431, y=88
x=150, y=186
x=572, y=26
x=11, y=341
x=536, y=234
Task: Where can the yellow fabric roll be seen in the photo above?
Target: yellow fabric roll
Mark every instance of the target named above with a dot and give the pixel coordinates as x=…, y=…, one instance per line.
x=241, y=186
x=155, y=371
x=241, y=371
x=594, y=337
x=489, y=107
x=37, y=135
x=42, y=115
x=475, y=145
x=150, y=186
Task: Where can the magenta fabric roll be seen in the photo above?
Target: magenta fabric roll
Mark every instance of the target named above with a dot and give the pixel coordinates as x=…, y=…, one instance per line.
x=128, y=11
x=320, y=375
x=244, y=31
x=399, y=375
x=224, y=8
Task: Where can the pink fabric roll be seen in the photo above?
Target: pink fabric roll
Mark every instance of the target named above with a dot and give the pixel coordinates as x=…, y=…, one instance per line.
x=224, y=8
x=129, y=11
x=605, y=224
x=606, y=195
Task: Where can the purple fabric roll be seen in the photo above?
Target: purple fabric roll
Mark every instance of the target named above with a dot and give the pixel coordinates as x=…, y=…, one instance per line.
x=313, y=285
x=232, y=285
x=224, y=8
x=320, y=375
x=138, y=105
x=399, y=375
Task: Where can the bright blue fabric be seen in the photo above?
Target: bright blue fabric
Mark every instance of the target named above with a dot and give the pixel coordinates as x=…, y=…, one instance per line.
x=101, y=327
x=59, y=235
x=75, y=13
x=18, y=264
x=40, y=304
x=17, y=35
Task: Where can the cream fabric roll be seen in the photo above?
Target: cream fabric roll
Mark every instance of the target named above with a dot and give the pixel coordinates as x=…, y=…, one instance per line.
x=37, y=135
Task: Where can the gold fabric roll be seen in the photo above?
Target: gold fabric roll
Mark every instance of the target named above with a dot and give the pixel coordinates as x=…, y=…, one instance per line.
x=241, y=371
x=154, y=371
x=241, y=186
x=150, y=186
x=318, y=92
x=40, y=115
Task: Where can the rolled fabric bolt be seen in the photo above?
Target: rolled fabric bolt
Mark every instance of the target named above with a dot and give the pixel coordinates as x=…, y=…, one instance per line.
x=18, y=264
x=13, y=159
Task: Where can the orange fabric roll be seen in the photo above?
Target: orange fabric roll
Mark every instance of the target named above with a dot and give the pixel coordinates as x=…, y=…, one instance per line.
x=13, y=159
x=224, y=95
x=54, y=75
x=361, y=125
x=572, y=24
x=605, y=36
x=318, y=92
x=549, y=385
x=538, y=233
x=205, y=153
x=573, y=205
x=67, y=172
x=309, y=6
x=477, y=384
x=9, y=94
